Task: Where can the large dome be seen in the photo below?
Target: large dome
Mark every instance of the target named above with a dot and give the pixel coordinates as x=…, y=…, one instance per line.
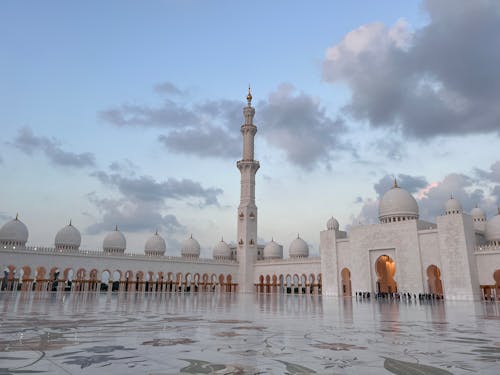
x=493, y=229
x=397, y=205
x=452, y=206
x=14, y=233
x=273, y=250
x=190, y=248
x=222, y=250
x=114, y=242
x=68, y=238
x=155, y=245
x=332, y=224
x=298, y=248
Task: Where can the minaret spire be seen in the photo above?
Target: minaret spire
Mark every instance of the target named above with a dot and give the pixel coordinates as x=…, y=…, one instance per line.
x=247, y=210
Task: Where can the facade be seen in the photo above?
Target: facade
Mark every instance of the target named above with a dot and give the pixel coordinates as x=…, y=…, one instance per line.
x=457, y=257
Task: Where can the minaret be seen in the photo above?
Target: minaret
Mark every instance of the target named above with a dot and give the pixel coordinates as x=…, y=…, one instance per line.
x=247, y=210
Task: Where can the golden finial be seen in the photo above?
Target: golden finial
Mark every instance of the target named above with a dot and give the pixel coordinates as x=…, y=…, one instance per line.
x=17, y=215
x=116, y=227
x=395, y=183
x=249, y=96
x=69, y=222
x=498, y=210
x=156, y=232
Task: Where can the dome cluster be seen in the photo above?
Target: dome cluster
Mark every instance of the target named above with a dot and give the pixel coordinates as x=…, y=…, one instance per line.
x=114, y=242
x=273, y=250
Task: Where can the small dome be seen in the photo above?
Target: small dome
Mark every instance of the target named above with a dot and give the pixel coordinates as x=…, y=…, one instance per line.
x=14, y=233
x=155, y=245
x=397, y=204
x=222, y=250
x=332, y=224
x=114, y=242
x=298, y=248
x=452, y=206
x=477, y=213
x=190, y=248
x=493, y=229
x=68, y=238
x=273, y=250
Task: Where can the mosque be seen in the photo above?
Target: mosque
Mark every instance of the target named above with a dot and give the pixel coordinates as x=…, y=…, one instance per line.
x=457, y=257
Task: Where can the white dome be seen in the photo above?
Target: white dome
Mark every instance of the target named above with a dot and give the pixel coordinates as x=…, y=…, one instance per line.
x=273, y=250
x=477, y=213
x=14, y=233
x=298, y=248
x=114, y=242
x=222, y=250
x=397, y=204
x=452, y=206
x=332, y=224
x=493, y=228
x=190, y=248
x=478, y=219
x=155, y=245
x=68, y=238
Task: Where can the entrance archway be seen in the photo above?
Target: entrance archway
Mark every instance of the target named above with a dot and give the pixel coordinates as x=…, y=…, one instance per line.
x=386, y=269
x=434, y=280
x=346, y=282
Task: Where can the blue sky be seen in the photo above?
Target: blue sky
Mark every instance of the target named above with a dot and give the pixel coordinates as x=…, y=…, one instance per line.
x=128, y=113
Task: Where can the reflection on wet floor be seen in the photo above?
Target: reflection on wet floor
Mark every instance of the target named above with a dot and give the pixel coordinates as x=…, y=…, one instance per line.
x=164, y=333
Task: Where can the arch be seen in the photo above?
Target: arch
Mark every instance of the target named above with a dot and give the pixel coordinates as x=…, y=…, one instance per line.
x=260, y=288
x=229, y=283
x=385, y=268
x=221, y=279
x=288, y=283
x=26, y=273
x=434, y=280
x=345, y=275
x=105, y=277
x=496, y=277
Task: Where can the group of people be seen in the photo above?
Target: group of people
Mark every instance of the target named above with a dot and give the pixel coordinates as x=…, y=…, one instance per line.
x=399, y=296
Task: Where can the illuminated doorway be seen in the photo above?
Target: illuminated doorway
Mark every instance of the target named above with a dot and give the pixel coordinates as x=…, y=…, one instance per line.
x=386, y=268
x=434, y=280
x=346, y=282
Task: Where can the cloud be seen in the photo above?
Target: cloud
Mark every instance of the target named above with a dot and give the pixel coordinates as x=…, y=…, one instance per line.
x=209, y=141
x=441, y=79
x=146, y=189
x=410, y=183
x=29, y=143
x=169, y=88
x=492, y=175
x=132, y=215
x=297, y=124
x=294, y=122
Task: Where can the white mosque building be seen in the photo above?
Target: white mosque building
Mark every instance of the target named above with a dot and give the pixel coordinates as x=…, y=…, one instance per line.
x=457, y=257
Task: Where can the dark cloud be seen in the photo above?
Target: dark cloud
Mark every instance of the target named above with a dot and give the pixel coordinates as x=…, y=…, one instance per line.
x=168, y=115
x=297, y=124
x=441, y=79
x=410, y=183
x=132, y=215
x=146, y=189
x=293, y=122
x=168, y=88
x=209, y=141
x=29, y=143
x=492, y=175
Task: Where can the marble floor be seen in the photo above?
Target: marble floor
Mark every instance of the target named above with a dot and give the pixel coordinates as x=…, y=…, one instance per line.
x=92, y=333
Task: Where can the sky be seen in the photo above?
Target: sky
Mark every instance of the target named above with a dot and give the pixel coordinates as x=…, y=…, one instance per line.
x=128, y=113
